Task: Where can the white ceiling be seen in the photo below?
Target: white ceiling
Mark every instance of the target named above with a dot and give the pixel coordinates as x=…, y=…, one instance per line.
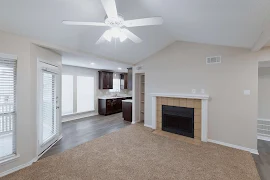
x=223, y=22
x=99, y=63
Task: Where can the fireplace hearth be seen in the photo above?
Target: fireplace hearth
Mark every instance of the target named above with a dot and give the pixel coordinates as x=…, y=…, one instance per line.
x=178, y=120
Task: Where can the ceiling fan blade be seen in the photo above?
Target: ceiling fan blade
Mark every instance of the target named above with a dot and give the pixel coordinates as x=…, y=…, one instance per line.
x=100, y=40
x=105, y=36
x=84, y=23
x=110, y=8
x=131, y=36
x=144, y=22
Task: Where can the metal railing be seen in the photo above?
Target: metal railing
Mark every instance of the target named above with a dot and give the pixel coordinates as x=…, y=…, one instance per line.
x=6, y=118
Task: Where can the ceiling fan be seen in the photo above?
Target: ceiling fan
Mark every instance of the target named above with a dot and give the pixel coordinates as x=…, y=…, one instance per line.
x=117, y=22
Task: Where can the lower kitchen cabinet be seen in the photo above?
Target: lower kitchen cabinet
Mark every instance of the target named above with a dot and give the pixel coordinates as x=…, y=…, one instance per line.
x=110, y=106
x=127, y=111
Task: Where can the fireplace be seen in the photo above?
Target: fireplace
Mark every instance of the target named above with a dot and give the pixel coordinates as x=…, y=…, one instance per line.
x=178, y=120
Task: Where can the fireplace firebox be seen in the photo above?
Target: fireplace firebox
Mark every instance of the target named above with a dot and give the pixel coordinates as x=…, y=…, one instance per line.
x=178, y=120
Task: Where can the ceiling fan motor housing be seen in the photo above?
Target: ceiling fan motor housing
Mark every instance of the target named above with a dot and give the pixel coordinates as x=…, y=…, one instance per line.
x=114, y=21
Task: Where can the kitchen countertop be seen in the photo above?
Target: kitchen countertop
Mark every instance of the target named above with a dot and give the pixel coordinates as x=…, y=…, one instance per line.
x=127, y=100
x=111, y=97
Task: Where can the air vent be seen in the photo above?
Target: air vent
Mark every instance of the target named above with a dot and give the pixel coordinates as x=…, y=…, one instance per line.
x=213, y=60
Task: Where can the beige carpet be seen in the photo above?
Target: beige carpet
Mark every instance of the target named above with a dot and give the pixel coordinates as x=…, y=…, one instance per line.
x=136, y=153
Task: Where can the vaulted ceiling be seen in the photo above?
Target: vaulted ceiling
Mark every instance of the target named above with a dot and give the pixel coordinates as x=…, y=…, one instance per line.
x=236, y=23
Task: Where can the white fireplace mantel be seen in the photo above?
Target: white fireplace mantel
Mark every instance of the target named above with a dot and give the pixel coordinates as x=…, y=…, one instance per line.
x=204, y=114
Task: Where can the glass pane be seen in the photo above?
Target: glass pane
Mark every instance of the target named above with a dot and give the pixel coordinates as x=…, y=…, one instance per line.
x=85, y=94
x=48, y=107
x=116, y=85
x=67, y=94
x=6, y=135
x=7, y=108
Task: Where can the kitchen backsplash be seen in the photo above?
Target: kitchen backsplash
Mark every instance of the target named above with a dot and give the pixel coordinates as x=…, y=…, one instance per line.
x=101, y=93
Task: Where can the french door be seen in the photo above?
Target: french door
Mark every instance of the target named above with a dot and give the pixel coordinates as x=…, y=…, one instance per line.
x=48, y=106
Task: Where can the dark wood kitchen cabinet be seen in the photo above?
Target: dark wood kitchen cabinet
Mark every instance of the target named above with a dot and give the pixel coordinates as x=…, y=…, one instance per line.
x=123, y=81
x=127, y=111
x=105, y=80
x=110, y=106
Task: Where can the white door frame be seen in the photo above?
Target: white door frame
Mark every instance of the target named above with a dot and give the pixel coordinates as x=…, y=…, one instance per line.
x=47, y=66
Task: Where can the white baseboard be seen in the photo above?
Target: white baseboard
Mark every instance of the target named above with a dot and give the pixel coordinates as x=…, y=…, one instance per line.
x=59, y=138
x=253, y=151
x=263, y=119
x=263, y=138
x=149, y=126
x=18, y=168
x=28, y=163
x=73, y=117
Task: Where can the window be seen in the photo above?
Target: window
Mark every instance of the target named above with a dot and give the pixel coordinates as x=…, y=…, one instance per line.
x=116, y=84
x=85, y=94
x=67, y=94
x=7, y=107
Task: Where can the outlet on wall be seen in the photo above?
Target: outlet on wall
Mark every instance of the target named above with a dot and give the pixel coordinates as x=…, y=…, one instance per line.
x=246, y=92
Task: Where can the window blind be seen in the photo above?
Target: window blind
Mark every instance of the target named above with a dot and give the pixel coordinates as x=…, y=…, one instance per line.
x=85, y=94
x=67, y=94
x=8, y=68
x=49, y=125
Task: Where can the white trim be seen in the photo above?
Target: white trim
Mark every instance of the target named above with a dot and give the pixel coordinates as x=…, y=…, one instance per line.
x=77, y=113
x=8, y=56
x=253, y=151
x=18, y=168
x=26, y=164
x=149, y=126
x=60, y=137
x=189, y=96
x=9, y=159
x=154, y=112
x=204, y=120
x=263, y=138
x=261, y=119
x=76, y=116
x=204, y=110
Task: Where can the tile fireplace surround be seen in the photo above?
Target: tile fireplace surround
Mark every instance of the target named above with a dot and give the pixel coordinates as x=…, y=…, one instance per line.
x=196, y=101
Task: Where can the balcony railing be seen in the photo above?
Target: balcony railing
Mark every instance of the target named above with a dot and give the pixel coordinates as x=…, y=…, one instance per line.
x=6, y=118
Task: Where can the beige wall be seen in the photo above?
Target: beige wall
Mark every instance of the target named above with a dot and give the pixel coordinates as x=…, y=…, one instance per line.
x=264, y=93
x=181, y=67
x=26, y=94
x=10, y=44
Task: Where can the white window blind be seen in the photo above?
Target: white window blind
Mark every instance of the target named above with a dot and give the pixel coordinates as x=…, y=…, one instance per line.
x=49, y=125
x=85, y=94
x=67, y=94
x=8, y=68
x=116, y=83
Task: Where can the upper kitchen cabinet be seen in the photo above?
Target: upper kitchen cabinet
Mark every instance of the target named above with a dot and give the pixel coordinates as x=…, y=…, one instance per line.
x=105, y=80
x=124, y=81
x=129, y=84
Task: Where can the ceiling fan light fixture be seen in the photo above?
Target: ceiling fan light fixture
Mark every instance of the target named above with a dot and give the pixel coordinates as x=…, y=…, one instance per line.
x=115, y=32
x=122, y=37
